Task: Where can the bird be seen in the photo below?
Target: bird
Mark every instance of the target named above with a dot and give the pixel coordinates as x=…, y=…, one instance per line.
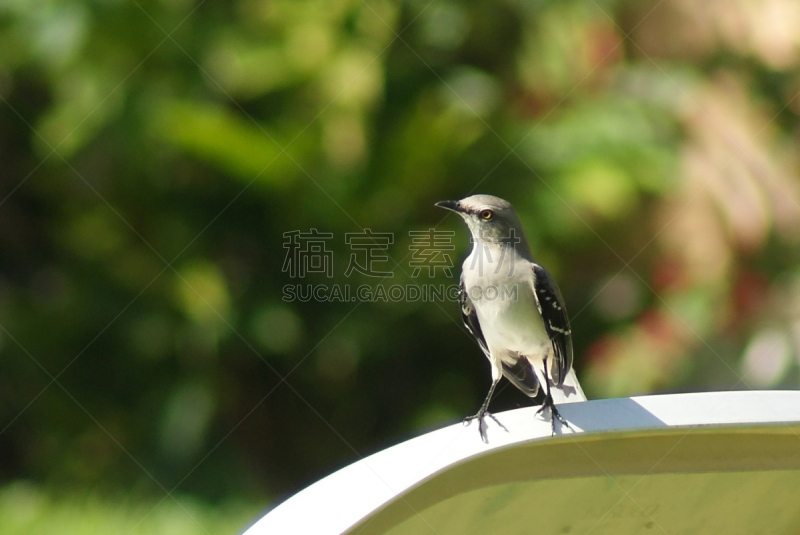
x=513, y=308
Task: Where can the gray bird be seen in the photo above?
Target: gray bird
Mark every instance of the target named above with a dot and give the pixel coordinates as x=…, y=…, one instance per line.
x=514, y=309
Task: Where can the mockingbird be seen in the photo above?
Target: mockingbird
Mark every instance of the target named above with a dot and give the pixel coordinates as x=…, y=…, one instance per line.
x=514, y=309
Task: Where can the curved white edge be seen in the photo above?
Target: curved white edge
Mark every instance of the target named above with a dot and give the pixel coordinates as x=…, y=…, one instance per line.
x=340, y=500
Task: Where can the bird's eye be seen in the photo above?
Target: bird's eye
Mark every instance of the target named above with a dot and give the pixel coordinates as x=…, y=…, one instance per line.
x=486, y=215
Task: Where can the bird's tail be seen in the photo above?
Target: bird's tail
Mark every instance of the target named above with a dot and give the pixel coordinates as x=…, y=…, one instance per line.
x=570, y=391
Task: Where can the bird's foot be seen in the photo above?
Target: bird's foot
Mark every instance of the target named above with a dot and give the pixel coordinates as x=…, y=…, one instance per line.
x=554, y=414
x=480, y=416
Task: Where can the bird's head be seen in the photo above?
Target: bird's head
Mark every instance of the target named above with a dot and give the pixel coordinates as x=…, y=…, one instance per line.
x=490, y=219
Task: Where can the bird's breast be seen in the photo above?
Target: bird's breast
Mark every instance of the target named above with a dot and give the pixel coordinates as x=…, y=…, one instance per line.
x=508, y=315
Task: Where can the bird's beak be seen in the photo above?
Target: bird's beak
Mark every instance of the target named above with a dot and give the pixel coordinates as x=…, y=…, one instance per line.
x=450, y=205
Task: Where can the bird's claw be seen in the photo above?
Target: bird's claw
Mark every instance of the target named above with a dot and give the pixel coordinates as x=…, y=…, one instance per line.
x=554, y=415
x=480, y=416
x=481, y=423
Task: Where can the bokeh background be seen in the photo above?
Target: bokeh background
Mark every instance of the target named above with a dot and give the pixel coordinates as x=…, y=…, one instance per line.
x=153, y=379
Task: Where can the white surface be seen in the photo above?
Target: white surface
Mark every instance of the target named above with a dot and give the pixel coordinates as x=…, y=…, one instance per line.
x=341, y=500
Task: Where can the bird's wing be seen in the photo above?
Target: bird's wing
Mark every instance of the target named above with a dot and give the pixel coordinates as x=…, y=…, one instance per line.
x=556, y=323
x=521, y=373
x=470, y=317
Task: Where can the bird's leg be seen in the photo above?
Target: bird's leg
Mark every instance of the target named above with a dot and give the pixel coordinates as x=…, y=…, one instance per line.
x=483, y=412
x=549, y=403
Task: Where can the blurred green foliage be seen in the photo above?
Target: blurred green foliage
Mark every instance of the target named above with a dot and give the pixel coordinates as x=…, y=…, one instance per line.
x=26, y=509
x=155, y=153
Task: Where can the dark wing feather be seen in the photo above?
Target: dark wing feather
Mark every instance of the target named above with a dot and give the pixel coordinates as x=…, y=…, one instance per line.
x=522, y=375
x=470, y=317
x=556, y=322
